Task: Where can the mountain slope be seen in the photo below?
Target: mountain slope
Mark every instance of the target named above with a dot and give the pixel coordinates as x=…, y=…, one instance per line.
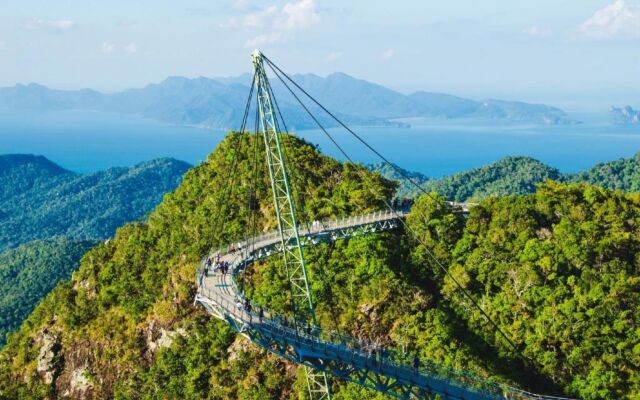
x=29, y=272
x=406, y=189
x=125, y=326
x=506, y=177
x=132, y=297
x=559, y=270
x=39, y=199
x=623, y=174
x=515, y=176
x=23, y=172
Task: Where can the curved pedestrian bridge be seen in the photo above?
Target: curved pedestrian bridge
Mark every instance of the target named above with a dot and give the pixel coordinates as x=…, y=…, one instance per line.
x=385, y=370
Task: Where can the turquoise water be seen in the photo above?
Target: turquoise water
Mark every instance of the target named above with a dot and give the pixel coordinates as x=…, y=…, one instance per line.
x=439, y=147
x=85, y=141
x=89, y=141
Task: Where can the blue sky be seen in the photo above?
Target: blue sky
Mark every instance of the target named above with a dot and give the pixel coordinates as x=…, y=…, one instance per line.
x=574, y=53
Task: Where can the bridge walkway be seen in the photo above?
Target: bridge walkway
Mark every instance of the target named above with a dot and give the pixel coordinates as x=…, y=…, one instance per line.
x=339, y=355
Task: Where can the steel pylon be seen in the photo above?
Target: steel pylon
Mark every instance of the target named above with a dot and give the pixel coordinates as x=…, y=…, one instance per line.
x=301, y=298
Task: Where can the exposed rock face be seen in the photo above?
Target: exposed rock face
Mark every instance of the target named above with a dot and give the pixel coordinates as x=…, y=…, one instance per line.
x=238, y=346
x=158, y=337
x=48, y=359
x=80, y=384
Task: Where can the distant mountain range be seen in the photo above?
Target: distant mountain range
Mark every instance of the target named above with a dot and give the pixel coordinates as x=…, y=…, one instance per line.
x=625, y=116
x=219, y=103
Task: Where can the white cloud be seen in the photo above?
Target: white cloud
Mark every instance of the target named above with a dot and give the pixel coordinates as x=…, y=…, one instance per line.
x=131, y=48
x=333, y=56
x=268, y=38
x=538, y=31
x=277, y=22
x=388, y=53
x=300, y=15
x=618, y=20
x=57, y=25
x=107, y=47
x=261, y=18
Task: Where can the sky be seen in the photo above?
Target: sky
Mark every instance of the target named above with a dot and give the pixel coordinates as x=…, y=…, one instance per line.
x=579, y=54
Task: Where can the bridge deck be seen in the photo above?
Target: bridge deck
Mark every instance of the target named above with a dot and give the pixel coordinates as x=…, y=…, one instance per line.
x=339, y=355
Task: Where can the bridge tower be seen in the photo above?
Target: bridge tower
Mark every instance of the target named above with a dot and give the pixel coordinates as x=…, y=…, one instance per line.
x=301, y=298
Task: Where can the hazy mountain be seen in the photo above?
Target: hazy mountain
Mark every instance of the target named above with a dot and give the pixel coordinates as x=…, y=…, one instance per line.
x=39, y=199
x=625, y=115
x=219, y=103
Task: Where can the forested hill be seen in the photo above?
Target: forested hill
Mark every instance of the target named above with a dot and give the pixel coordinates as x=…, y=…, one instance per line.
x=557, y=270
x=621, y=174
x=21, y=172
x=39, y=199
x=508, y=176
x=29, y=272
x=66, y=213
x=406, y=188
x=515, y=176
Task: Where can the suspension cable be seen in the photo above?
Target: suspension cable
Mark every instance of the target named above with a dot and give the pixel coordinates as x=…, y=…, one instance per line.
x=411, y=230
x=226, y=190
x=252, y=214
x=377, y=153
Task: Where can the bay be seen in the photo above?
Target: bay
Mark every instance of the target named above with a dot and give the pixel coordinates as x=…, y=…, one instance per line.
x=85, y=141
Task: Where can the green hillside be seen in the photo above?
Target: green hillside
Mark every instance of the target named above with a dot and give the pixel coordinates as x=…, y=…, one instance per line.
x=515, y=176
x=623, y=174
x=22, y=172
x=29, y=272
x=39, y=199
x=508, y=176
x=557, y=270
x=405, y=188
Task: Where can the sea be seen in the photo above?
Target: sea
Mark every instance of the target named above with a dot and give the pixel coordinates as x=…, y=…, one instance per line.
x=85, y=141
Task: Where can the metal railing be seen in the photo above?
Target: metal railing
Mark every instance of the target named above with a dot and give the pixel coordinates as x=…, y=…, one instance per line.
x=360, y=352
